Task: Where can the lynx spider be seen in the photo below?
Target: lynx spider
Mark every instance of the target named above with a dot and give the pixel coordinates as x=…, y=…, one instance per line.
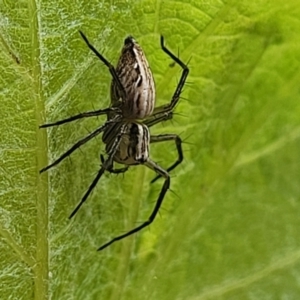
x=129, y=117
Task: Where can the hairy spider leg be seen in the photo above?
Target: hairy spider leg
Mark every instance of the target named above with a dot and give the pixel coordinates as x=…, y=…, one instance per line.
x=152, y=165
x=153, y=120
x=100, y=111
x=87, y=114
x=107, y=63
x=106, y=165
x=165, y=138
x=167, y=108
x=77, y=145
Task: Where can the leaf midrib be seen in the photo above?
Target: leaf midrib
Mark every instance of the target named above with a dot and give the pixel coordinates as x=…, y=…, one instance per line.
x=41, y=267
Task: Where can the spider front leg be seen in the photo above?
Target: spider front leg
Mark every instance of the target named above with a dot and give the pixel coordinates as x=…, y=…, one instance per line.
x=111, y=68
x=150, y=164
x=178, y=142
x=167, y=108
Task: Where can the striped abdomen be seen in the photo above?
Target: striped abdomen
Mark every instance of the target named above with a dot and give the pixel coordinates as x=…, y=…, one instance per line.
x=137, y=79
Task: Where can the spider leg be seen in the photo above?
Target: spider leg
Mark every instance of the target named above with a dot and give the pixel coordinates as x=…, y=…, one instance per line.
x=107, y=63
x=106, y=165
x=87, y=193
x=167, y=108
x=118, y=171
x=80, y=116
x=155, y=119
x=114, y=171
x=150, y=164
x=75, y=146
x=178, y=142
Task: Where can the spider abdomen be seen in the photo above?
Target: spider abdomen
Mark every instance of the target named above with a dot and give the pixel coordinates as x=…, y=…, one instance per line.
x=137, y=80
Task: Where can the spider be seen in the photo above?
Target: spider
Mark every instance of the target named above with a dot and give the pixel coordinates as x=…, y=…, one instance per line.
x=129, y=117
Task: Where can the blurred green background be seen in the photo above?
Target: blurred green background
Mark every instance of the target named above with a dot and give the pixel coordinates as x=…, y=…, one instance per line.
x=228, y=229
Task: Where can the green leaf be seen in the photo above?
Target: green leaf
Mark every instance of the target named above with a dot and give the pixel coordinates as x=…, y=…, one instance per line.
x=229, y=226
